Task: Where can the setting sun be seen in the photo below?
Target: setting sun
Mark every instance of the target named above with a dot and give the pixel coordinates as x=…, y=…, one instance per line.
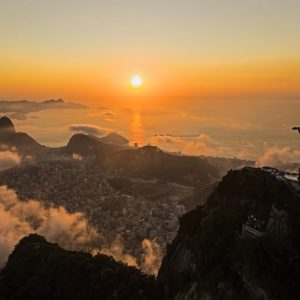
x=136, y=81
x=139, y=139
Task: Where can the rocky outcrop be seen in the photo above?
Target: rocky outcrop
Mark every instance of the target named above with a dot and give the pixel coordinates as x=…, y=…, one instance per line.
x=20, y=141
x=211, y=259
x=6, y=126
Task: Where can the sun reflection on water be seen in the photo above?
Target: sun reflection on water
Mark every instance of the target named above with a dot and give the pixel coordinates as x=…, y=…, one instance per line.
x=137, y=130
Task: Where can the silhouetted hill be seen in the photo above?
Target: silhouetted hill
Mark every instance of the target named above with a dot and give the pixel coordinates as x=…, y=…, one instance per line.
x=114, y=138
x=6, y=126
x=150, y=161
x=112, y=151
x=23, y=142
x=90, y=145
x=38, y=270
x=145, y=162
x=212, y=258
x=224, y=164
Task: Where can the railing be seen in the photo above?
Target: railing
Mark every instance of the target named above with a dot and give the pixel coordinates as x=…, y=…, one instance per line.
x=252, y=231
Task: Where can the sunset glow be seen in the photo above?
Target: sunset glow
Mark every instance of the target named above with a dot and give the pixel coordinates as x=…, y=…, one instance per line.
x=136, y=81
x=198, y=69
x=139, y=139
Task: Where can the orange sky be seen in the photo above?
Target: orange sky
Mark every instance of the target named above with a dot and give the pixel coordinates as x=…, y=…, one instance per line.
x=110, y=83
x=86, y=51
x=227, y=72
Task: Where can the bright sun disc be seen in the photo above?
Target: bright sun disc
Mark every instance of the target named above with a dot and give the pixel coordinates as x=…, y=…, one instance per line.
x=136, y=81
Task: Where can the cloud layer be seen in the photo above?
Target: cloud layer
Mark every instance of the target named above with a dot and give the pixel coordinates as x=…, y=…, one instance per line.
x=150, y=261
x=281, y=158
x=8, y=159
x=89, y=129
x=18, y=219
x=20, y=109
x=69, y=230
x=201, y=144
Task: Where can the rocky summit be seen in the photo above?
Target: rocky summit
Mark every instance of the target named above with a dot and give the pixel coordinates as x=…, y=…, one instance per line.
x=242, y=244
x=6, y=126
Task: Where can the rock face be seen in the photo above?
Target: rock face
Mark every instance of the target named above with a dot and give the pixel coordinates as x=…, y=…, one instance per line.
x=6, y=126
x=23, y=142
x=211, y=259
x=40, y=270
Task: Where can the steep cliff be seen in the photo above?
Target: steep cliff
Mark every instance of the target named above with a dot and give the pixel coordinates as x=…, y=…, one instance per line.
x=213, y=258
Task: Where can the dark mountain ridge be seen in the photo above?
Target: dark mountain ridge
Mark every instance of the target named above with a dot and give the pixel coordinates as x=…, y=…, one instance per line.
x=40, y=270
x=24, y=143
x=114, y=138
x=214, y=255
x=113, y=152
x=150, y=161
x=90, y=145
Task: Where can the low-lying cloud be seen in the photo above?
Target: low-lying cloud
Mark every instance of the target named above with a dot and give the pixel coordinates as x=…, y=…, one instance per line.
x=70, y=230
x=8, y=159
x=201, y=144
x=152, y=258
x=20, y=109
x=281, y=158
x=149, y=262
x=117, y=251
x=89, y=129
x=18, y=219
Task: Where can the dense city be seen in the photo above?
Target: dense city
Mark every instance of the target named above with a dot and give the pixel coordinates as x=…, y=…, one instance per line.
x=140, y=212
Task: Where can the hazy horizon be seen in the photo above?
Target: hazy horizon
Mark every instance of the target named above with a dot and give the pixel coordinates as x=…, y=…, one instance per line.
x=215, y=84
x=221, y=77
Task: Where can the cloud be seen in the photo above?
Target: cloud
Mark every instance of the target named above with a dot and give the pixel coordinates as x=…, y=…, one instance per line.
x=20, y=109
x=201, y=144
x=18, y=218
x=103, y=108
x=106, y=116
x=117, y=251
x=70, y=230
x=281, y=158
x=152, y=258
x=126, y=111
x=109, y=115
x=149, y=262
x=89, y=129
x=8, y=159
x=217, y=121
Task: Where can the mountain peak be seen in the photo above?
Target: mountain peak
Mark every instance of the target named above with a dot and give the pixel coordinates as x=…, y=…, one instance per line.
x=115, y=138
x=6, y=125
x=54, y=101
